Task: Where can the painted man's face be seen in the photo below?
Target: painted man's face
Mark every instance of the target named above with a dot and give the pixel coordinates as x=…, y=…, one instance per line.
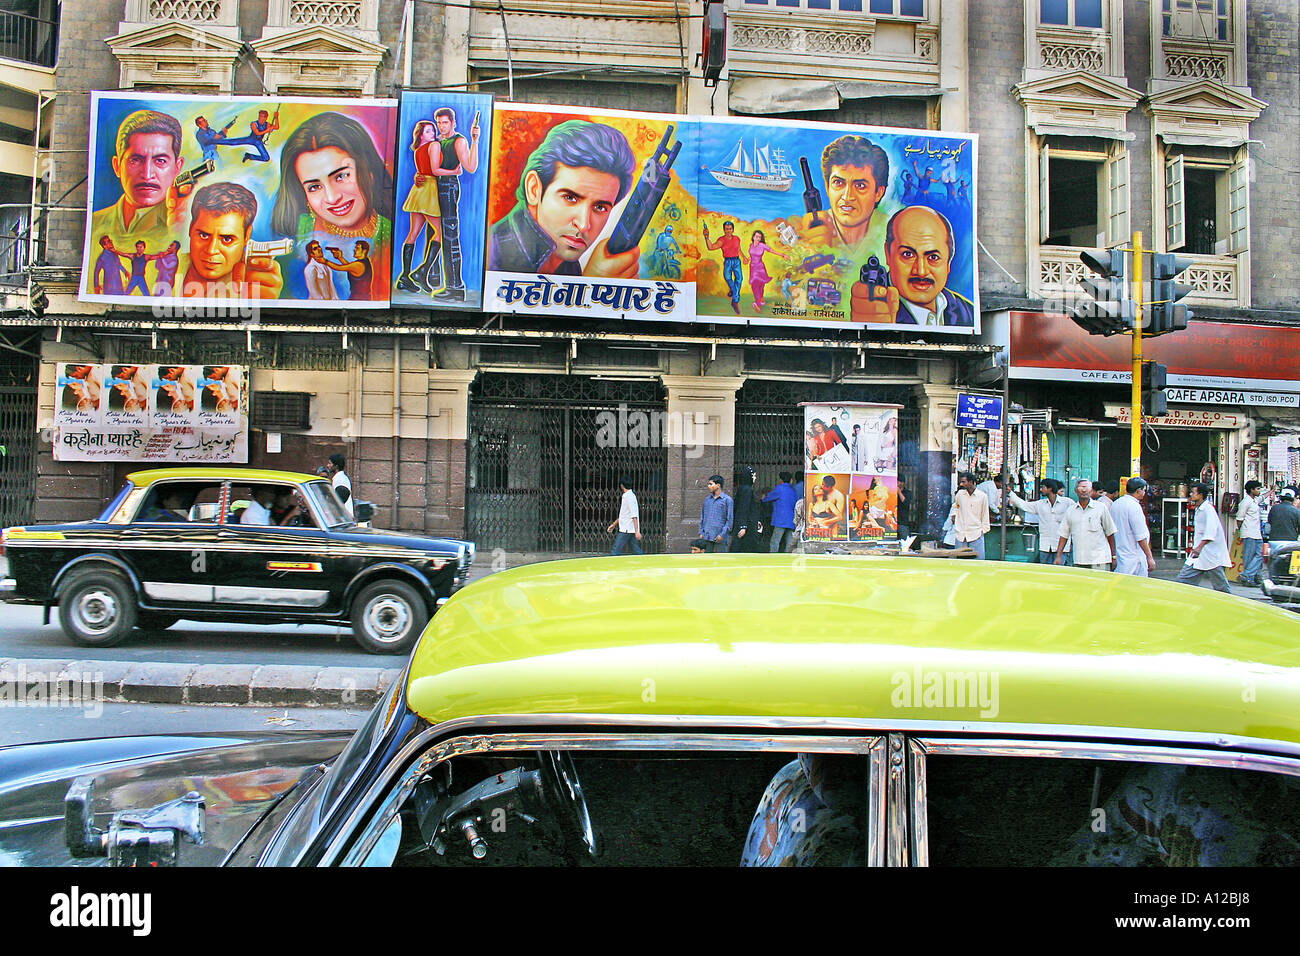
x=574, y=208
x=445, y=125
x=853, y=193
x=918, y=256
x=147, y=167
x=217, y=243
x=330, y=180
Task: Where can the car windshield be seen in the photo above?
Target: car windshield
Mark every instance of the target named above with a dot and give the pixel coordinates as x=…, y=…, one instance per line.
x=328, y=505
x=116, y=502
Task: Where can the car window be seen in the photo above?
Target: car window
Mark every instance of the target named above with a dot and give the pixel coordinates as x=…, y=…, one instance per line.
x=109, y=511
x=183, y=502
x=327, y=504
x=268, y=504
x=657, y=807
x=1045, y=811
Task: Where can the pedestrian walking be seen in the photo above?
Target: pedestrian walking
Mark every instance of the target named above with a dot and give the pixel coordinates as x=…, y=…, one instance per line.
x=970, y=515
x=716, y=516
x=1050, y=510
x=628, y=521
x=1209, y=556
x=744, y=512
x=1132, y=536
x=1089, y=530
x=1252, y=537
x=1284, y=518
x=782, y=498
x=342, y=484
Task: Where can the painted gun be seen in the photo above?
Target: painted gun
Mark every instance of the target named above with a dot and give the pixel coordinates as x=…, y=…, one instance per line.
x=650, y=189
x=812, y=197
x=874, y=276
x=185, y=181
x=275, y=247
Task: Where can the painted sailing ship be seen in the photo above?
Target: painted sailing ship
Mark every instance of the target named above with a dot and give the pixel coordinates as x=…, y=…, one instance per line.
x=768, y=170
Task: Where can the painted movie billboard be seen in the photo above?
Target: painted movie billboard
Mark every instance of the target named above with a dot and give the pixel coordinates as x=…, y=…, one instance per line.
x=225, y=200
x=613, y=214
x=850, y=472
x=444, y=142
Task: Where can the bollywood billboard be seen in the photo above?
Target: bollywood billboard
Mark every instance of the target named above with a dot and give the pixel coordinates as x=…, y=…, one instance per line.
x=851, y=473
x=444, y=141
x=591, y=214
x=151, y=413
x=237, y=201
x=608, y=214
x=810, y=224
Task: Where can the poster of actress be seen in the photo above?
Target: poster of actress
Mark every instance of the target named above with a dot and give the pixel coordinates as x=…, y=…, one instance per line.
x=444, y=141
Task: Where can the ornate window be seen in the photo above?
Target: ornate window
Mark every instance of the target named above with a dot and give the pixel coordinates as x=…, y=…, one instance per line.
x=1065, y=35
x=911, y=9
x=1198, y=40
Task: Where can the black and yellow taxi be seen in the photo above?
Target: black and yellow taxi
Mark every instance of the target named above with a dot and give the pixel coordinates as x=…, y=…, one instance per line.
x=236, y=545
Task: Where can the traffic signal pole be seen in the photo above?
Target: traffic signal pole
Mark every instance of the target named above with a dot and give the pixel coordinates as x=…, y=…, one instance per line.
x=1135, y=414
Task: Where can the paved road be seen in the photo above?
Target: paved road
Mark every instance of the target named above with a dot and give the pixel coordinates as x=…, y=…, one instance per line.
x=23, y=636
x=28, y=724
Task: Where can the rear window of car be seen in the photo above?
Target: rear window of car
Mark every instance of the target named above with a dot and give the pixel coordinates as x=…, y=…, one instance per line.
x=116, y=502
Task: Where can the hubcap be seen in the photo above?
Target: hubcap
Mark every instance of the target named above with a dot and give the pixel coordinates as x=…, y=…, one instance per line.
x=97, y=610
x=387, y=619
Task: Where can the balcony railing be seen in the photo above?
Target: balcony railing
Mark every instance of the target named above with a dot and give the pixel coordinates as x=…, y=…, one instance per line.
x=28, y=39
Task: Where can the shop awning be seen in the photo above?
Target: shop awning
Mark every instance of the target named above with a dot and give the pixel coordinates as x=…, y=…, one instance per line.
x=1046, y=129
x=766, y=94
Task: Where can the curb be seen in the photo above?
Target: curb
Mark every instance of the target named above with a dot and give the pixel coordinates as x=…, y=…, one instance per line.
x=33, y=680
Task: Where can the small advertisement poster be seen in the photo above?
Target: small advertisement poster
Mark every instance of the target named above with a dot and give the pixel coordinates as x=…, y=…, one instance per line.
x=851, y=472
x=590, y=214
x=179, y=414
x=278, y=201
x=444, y=143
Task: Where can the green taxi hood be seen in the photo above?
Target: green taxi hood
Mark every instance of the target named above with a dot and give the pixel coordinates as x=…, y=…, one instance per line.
x=892, y=640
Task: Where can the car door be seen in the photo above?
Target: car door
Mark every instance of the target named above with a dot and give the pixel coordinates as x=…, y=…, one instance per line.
x=268, y=567
x=174, y=558
x=620, y=799
x=992, y=802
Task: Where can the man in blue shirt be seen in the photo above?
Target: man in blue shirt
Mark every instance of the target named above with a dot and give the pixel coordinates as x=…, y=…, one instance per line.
x=783, y=500
x=716, y=515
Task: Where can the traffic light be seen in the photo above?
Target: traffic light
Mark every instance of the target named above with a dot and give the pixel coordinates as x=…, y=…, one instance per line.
x=1153, y=389
x=1110, y=310
x=713, y=42
x=1166, y=313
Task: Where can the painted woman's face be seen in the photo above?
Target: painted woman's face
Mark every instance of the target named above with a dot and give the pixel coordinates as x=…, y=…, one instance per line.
x=329, y=178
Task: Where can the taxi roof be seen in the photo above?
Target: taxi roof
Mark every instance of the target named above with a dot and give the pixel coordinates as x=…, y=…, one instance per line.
x=895, y=641
x=216, y=473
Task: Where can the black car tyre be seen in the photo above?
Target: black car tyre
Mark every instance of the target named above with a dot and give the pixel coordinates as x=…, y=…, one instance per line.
x=97, y=608
x=150, y=621
x=388, y=617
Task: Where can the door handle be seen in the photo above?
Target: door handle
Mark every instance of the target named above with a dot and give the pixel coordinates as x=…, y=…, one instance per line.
x=227, y=534
x=132, y=533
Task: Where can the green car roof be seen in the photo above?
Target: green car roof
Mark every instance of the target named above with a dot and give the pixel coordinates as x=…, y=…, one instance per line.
x=893, y=640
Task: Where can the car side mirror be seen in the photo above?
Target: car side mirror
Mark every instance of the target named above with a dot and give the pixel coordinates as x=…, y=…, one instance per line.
x=148, y=837
x=363, y=510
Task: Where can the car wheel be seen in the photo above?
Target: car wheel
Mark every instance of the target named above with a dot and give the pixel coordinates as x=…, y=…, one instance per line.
x=388, y=617
x=149, y=621
x=97, y=608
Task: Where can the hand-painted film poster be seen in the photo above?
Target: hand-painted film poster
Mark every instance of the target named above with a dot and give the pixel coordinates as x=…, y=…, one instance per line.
x=155, y=413
x=590, y=214
x=794, y=219
x=221, y=201
x=851, y=473
x=444, y=141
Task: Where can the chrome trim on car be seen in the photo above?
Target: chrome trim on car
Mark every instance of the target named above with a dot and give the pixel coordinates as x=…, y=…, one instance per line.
x=920, y=824
x=435, y=753
x=272, y=597
x=872, y=728
x=166, y=591
x=895, y=806
x=876, y=813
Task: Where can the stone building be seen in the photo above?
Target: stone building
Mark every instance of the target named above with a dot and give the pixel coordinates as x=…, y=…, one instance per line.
x=483, y=425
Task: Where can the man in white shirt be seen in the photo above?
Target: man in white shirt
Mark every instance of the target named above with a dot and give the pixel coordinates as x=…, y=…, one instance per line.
x=628, y=522
x=258, y=511
x=1105, y=495
x=1050, y=509
x=1089, y=531
x=970, y=515
x=1209, y=556
x=992, y=488
x=1132, y=537
x=1252, y=537
x=340, y=482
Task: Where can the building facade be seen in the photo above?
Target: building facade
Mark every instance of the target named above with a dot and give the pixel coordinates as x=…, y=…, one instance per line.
x=487, y=426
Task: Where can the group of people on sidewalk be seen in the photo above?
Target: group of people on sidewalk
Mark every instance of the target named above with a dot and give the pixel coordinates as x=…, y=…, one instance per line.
x=1107, y=531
